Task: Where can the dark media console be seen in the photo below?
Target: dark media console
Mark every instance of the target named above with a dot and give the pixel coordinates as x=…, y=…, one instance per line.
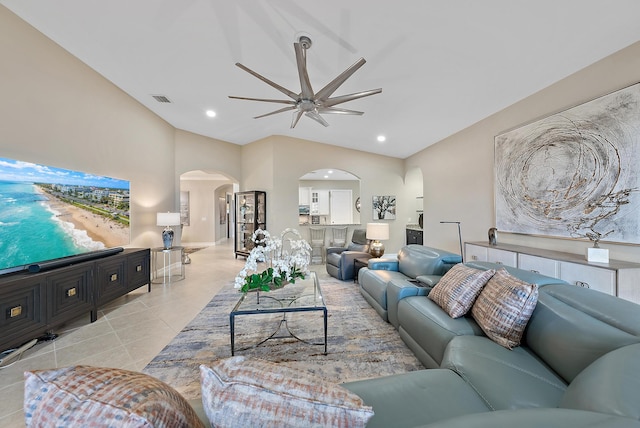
x=34, y=303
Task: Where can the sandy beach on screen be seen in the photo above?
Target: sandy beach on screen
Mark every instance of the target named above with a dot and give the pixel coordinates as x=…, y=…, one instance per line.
x=99, y=228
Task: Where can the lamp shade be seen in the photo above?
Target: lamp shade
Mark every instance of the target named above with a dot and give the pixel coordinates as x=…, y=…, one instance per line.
x=168, y=219
x=378, y=231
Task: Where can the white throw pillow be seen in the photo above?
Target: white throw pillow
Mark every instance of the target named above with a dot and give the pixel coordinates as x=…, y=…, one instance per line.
x=243, y=392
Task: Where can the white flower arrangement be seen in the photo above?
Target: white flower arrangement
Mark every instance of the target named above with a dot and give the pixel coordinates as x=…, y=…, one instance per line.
x=282, y=264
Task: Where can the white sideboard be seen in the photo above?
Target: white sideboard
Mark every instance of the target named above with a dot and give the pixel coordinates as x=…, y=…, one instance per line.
x=617, y=278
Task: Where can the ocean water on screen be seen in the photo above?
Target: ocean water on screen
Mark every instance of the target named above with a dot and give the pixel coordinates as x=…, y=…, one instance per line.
x=30, y=231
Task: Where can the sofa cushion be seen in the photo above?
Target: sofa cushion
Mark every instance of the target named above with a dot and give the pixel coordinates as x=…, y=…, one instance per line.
x=417, y=398
x=585, y=325
x=427, y=329
x=609, y=385
x=536, y=418
x=242, y=392
x=504, y=307
x=505, y=379
x=82, y=395
x=457, y=290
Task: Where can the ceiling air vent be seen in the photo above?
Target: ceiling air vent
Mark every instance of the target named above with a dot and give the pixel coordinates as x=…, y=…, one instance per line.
x=161, y=98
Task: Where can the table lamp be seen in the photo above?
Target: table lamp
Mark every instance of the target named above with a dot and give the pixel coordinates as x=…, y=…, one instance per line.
x=377, y=232
x=168, y=219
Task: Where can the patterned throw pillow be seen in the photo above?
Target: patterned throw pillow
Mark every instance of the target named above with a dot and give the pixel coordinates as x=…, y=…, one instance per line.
x=458, y=288
x=103, y=397
x=242, y=392
x=504, y=307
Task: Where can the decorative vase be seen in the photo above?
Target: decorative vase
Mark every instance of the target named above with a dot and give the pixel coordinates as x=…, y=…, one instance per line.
x=493, y=236
x=167, y=238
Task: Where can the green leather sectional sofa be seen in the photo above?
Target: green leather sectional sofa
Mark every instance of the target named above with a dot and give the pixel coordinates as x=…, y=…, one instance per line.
x=578, y=363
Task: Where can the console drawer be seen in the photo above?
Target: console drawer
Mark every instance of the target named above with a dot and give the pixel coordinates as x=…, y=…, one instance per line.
x=69, y=294
x=21, y=312
x=111, y=280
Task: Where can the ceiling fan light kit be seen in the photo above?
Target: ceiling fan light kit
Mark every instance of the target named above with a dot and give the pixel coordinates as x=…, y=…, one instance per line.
x=307, y=102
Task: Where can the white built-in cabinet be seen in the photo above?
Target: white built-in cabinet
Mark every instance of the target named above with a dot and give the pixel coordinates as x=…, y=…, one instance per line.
x=304, y=193
x=617, y=278
x=319, y=202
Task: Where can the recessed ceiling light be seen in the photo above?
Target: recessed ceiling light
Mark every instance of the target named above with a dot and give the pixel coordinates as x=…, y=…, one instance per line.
x=326, y=176
x=210, y=113
x=381, y=138
x=330, y=171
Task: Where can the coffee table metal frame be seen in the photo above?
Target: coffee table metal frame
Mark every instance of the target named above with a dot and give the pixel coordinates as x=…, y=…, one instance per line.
x=279, y=302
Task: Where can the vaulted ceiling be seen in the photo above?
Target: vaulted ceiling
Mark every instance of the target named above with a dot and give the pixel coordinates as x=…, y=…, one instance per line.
x=442, y=64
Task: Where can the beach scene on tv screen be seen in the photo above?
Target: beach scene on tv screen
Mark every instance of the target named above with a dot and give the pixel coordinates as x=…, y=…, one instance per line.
x=48, y=213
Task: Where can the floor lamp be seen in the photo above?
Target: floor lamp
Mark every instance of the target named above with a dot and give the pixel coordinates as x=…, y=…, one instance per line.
x=459, y=237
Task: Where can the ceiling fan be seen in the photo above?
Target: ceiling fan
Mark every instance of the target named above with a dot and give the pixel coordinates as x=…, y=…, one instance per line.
x=307, y=102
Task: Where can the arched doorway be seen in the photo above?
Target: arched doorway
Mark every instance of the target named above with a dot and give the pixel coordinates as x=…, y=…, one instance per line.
x=206, y=207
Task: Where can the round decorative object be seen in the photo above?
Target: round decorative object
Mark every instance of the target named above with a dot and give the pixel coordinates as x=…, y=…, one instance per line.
x=376, y=249
x=358, y=204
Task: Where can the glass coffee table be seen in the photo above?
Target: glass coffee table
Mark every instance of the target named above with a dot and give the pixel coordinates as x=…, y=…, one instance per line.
x=303, y=296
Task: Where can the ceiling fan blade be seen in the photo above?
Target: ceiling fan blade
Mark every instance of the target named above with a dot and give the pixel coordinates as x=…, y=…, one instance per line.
x=301, y=60
x=316, y=116
x=284, y=90
x=350, y=97
x=282, y=110
x=296, y=117
x=335, y=110
x=266, y=100
x=331, y=87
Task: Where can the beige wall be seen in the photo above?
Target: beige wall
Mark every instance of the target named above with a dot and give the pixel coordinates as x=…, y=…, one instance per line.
x=458, y=171
x=204, y=216
x=56, y=111
x=195, y=152
x=291, y=158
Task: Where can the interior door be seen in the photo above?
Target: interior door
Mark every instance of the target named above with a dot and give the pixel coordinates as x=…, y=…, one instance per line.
x=341, y=201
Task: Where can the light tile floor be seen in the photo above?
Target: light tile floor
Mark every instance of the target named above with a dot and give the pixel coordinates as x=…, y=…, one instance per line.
x=129, y=332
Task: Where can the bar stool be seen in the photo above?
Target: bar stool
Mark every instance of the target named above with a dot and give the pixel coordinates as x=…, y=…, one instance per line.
x=316, y=241
x=338, y=237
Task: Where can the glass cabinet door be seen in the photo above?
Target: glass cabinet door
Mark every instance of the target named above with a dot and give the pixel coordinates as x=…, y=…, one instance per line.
x=250, y=216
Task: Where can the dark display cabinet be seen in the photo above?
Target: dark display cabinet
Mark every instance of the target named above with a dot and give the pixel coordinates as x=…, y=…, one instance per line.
x=251, y=214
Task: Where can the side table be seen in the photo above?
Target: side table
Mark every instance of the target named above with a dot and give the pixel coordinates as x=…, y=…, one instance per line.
x=358, y=264
x=172, y=266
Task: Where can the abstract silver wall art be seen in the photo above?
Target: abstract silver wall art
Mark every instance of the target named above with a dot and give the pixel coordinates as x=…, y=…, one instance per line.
x=574, y=174
x=384, y=207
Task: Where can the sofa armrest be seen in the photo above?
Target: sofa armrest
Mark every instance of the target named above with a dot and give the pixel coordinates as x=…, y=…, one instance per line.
x=338, y=250
x=349, y=256
x=397, y=290
x=429, y=280
x=383, y=264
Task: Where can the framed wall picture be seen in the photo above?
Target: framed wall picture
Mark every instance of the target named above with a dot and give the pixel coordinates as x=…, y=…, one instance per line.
x=222, y=210
x=184, y=208
x=574, y=174
x=384, y=207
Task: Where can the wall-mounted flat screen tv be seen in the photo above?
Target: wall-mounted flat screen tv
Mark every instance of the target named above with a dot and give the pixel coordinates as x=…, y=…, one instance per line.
x=48, y=213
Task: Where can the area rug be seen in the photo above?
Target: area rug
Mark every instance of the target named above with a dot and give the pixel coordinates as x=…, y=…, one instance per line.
x=360, y=344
